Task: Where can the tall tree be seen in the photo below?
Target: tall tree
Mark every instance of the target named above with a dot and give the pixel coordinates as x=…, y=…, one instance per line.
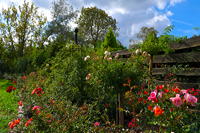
x=21, y=27
x=110, y=41
x=62, y=14
x=93, y=24
x=144, y=31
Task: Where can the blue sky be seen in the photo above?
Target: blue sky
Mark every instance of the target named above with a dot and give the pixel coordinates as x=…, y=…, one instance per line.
x=186, y=17
x=131, y=15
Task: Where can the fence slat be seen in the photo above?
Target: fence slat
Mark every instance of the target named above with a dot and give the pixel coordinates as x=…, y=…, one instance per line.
x=177, y=58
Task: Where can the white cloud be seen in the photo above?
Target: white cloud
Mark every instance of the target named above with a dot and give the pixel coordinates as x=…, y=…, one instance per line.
x=161, y=4
x=131, y=15
x=117, y=11
x=173, y=2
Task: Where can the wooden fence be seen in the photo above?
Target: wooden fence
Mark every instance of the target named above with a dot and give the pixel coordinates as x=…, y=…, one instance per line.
x=186, y=53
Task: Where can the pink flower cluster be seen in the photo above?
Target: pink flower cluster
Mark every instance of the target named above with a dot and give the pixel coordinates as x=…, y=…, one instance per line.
x=155, y=95
x=177, y=101
x=37, y=109
x=189, y=98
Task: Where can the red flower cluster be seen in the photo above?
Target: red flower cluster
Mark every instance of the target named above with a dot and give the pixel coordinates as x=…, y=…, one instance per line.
x=150, y=108
x=20, y=103
x=14, y=123
x=38, y=91
x=159, y=87
x=146, y=92
x=158, y=111
x=28, y=122
x=10, y=89
x=193, y=91
x=37, y=109
x=176, y=90
x=132, y=123
x=96, y=124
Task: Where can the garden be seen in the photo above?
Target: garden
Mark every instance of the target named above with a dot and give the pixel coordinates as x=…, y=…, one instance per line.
x=50, y=83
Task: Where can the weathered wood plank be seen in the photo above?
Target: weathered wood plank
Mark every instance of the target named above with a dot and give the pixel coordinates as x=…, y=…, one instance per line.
x=121, y=52
x=189, y=43
x=177, y=58
x=182, y=85
x=185, y=72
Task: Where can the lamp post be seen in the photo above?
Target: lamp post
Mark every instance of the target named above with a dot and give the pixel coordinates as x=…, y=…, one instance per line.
x=76, y=35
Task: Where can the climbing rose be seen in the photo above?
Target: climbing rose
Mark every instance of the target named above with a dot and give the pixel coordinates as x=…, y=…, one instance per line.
x=177, y=101
x=14, y=123
x=150, y=108
x=28, y=122
x=20, y=103
x=96, y=124
x=159, y=87
x=146, y=92
x=166, y=90
x=190, y=99
x=131, y=124
x=38, y=91
x=177, y=90
x=184, y=91
x=158, y=111
x=152, y=96
x=37, y=109
x=10, y=89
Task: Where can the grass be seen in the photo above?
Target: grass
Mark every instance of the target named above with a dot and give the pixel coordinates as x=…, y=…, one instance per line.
x=8, y=106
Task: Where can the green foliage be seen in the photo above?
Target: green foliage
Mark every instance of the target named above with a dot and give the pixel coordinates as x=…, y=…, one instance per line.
x=94, y=23
x=22, y=30
x=21, y=27
x=8, y=105
x=144, y=31
x=110, y=41
x=156, y=45
x=62, y=14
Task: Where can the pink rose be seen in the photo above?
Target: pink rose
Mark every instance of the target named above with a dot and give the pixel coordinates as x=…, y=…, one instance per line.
x=190, y=99
x=184, y=91
x=37, y=109
x=153, y=96
x=96, y=124
x=177, y=101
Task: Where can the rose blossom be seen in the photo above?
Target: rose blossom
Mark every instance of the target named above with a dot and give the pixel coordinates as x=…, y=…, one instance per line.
x=86, y=58
x=177, y=101
x=184, y=91
x=153, y=95
x=96, y=124
x=190, y=99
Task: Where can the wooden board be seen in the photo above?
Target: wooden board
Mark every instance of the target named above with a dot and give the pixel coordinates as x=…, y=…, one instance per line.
x=177, y=58
x=186, y=72
x=121, y=52
x=189, y=43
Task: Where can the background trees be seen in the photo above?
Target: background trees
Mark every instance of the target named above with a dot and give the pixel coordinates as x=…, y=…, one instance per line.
x=62, y=14
x=22, y=27
x=110, y=41
x=93, y=24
